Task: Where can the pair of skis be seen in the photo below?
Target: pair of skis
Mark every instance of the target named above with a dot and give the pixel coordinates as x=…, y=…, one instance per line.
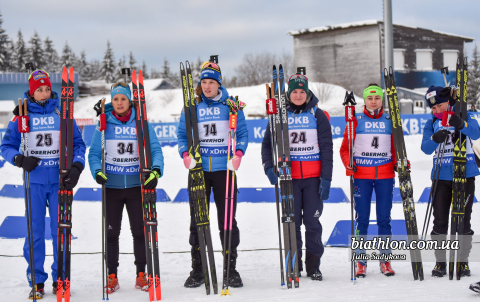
x=65, y=197
x=24, y=129
x=149, y=197
x=459, y=173
x=405, y=182
x=278, y=123
x=196, y=182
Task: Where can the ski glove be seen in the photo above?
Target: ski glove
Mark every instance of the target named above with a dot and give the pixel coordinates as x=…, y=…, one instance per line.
x=101, y=178
x=234, y=162
x=457, y=122
x=395, y=168
x=188, y=161
x=440, y=136
x=28, y=163
x=272, y=176
x=71, y=179
x=324, y=189
x=351, y=170
x=98, y=107
x=152, y=180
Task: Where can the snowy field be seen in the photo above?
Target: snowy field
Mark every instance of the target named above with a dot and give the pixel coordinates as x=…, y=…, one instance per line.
x=258, y=229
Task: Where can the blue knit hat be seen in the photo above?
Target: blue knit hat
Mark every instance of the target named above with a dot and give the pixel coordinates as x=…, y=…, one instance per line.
x=120, y=89
x=432, y=97
x=211, y=71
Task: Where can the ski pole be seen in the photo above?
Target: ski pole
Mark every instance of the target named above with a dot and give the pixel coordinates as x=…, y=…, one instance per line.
x=23, y=129
x=349, y=118
x=103, y=127
x=271, y=106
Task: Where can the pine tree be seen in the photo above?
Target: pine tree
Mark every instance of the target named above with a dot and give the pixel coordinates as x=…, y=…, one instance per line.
x=51, y=56
x=84, y=68
x=96, y=73
x=473, y=89
x=108, y=65
x=118, y=70
x=8, y=65
x=68, y=58
x=132, y=62
x=3, y=47
x=165, y=69
x=144, y=70
x=19, y=54
x=35, y=52
x=197, y=70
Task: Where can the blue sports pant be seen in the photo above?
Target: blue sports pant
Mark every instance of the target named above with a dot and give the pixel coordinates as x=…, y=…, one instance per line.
x=42, y=195
x=362, y=192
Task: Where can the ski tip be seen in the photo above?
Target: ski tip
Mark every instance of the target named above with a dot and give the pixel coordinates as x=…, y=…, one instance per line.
x=71, y=75
x=64, y=74
x=140, y=76
x=187, y=64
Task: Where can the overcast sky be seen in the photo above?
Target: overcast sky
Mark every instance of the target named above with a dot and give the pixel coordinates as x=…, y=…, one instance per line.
x=186, y=29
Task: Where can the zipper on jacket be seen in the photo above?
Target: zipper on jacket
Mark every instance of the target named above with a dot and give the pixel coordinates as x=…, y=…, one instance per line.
x=210, y=164
x=376, y=172
x=301, y=170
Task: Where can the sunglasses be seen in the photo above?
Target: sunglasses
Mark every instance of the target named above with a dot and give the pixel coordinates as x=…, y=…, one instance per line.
x=296, y=76
x=211, y=65
x=36, y=73
x=119, y=83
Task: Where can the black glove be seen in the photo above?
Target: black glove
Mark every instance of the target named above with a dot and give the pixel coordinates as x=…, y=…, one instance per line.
x=98, y=107
x=71, y=179
x=151, y=181
x=101, y=178
x=395, y=168
x=29, y=163
x=457, y=122
x=450, y=93
x=15, y=111
x=440, y=136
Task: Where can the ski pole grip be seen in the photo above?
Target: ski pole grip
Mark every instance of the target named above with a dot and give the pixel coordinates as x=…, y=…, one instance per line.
x=233, y=121
x=349, y=113
x=446, y=118
x=103, y=122
x=271, y=105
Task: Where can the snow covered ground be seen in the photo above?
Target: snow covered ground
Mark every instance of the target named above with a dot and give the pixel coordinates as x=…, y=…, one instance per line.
x=257, y=223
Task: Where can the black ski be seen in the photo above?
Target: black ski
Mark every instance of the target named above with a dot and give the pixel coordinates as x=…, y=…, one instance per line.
x=65, y=197
x=286, y=186
x=404, y=179
x=196, y=183
x=149, y=197
x=459, y=171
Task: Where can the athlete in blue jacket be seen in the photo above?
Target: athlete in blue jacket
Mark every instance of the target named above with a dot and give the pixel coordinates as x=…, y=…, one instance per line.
x=42, y=163
x=434, y=134
x=122, y=181
x=212, y=117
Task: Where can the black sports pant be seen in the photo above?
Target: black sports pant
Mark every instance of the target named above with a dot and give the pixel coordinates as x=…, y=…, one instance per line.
x=217, y=181
x=116, y=200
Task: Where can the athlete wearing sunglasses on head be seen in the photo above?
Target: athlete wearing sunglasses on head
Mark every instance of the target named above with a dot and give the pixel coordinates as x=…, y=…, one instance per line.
x=43, y=109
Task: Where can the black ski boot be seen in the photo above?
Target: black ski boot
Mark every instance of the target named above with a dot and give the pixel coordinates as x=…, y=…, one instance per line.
x=234, y=279
x=439, y=270
x=196, y=277
x=312, y=263
x=464, y=269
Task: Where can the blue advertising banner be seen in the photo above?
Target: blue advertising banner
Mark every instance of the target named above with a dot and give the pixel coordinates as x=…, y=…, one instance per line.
x=167, y=132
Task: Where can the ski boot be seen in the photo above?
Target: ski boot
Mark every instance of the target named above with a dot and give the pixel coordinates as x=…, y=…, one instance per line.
x=112, y=285
x=196, y=277
x=40, y=292
x=475, y=287
x=464, y=269
x=312, y=263
x=439, y=270
x=317, y=276
x=361, y=270
x=141, y=282
x=386, y=269
x=234, y=279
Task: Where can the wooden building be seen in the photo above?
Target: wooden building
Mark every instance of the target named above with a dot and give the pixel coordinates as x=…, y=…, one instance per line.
x=352, y=55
